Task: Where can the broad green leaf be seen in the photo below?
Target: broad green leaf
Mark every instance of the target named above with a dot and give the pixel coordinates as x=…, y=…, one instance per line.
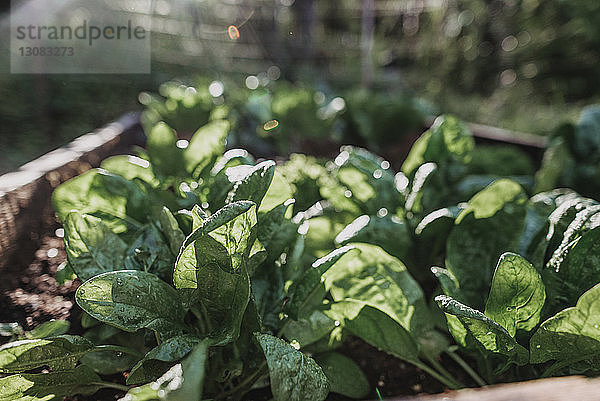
x=375, y=327
x=204, y=252
x=91, y=247
x=110, y=362
x=517, y=294
x=256, y=257
x=225, y=297
x=428, y=191
x=570, y=211
x=389, y=232
x=308, y=330
x=586, y=218
x=572, y=335
x=576, y=273
x=321, y=233
x=451, y=288
x=364, y=181
x=447, y=281
x=159, y=359
x=294, y=376
x=49, y=386
x=168, y=225
x=471, y=184
x=448, y=140
x=130, y=167
x=193, y=374
x=533, y=241
x=484, y=333
x=131, y=300
x=344, y=375
x=493, y=199
x=275, y=232
x=490, y=225
x=381, y=281
x=333, y=341
x=268, y=291
x=375, y=173
x=59, y=353
x=307, y=293
x=205, y=147
x=279, y=191
x=150, y=253
x=52, y=328
x=165, y=157
x=237, y=236
x=431, y=235
x=557, y=159
x=64, y=273
x=222, y=216
x=183, y=382
x=220, y=293
x=102, y=333
x=250, y=354
x=293, y=266
x=251, y=182
x=338, y=195
x=303, y=172
x=118, y=202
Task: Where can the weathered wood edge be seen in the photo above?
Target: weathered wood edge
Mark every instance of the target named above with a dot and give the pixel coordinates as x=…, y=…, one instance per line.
x=495, y=134
x=25, y=193
x=570, y=388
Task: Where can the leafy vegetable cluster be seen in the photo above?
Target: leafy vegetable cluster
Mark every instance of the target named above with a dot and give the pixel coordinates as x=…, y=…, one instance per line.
x=207, y=274
x=572, y=158
x=280, y=116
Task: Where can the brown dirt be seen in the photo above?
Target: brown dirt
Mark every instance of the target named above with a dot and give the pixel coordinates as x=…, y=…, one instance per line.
x=29, y=293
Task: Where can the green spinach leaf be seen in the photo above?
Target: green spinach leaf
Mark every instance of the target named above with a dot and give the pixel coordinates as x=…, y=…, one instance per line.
x=294, y=376
x=131, y=300
x=517, y=294
x=344, y=375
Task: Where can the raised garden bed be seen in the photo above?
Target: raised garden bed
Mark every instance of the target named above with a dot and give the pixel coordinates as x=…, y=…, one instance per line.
x=33, y=251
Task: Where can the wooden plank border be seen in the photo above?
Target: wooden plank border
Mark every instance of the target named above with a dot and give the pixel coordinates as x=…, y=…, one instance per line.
x=25, y=207
x=568, y=388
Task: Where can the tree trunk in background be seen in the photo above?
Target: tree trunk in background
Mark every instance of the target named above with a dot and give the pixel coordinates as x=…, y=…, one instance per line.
x=366, y=42
x=306, y=20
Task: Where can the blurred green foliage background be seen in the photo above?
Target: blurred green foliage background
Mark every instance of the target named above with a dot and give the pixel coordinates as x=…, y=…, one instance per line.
x=526, y=65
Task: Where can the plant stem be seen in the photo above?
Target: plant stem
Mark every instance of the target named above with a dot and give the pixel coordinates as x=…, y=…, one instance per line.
x=206, y=317
x=112, y=385
x=200, y=318
x=443, y=371
x=480, y=382
x=445, y=381
x=247, y=382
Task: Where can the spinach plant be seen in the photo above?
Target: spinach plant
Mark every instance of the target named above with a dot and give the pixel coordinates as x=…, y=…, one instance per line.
x=200, y=281
x=208, y=275
x=540, y=317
